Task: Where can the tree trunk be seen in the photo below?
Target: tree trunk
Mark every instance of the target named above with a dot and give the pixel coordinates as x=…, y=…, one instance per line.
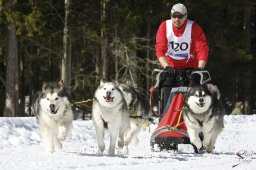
x=247, y=25
x=97, y=65
x=12, y=84
x=22, y=83
x=133, y=70
x=116, y=57
x=66, y=60
x=247, y=74
x=104, y=40
x=148, y=85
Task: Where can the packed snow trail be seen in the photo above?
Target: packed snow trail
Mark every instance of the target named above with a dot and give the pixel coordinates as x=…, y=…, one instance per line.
x=20, y=149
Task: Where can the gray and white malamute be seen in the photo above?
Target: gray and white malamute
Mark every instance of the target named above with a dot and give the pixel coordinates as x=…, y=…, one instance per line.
x=139, y=110
x=53, y=111
x=203, y=114
x=110, y=111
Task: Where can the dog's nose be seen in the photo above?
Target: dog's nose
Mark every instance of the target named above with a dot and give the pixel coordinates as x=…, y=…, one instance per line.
x=201, y=100
x=108, y=93
x=52, y=106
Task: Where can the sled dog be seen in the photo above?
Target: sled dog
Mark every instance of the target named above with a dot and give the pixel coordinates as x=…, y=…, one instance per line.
x=203, y=114
x=139, y=110
x=110, y=110
x=54, y=114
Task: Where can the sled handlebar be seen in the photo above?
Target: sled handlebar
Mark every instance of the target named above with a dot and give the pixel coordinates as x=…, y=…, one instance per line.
x=202, y=76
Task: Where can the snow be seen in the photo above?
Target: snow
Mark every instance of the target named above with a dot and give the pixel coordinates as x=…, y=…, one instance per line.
x=20, y=149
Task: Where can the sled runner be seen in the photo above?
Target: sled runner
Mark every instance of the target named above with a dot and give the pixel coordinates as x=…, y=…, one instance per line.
x=172, y=88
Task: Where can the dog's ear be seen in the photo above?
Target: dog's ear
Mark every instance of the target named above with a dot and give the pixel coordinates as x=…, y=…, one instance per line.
x=129, y=82
x=61, y=84
x=102, y=81
x=214, y=90
x=124, y=88
x=117, y=83
x=45, y=86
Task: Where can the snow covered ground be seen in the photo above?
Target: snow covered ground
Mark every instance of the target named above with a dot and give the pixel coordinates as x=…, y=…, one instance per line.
x=20, y=149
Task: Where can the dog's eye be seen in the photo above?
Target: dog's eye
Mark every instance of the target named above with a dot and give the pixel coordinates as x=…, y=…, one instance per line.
x=113, y=89
x=47, y=98
x=104, y=88
x=56, y=98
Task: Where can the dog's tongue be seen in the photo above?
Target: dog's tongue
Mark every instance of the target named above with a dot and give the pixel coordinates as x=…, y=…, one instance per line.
x=54, y=111
x=109, y=98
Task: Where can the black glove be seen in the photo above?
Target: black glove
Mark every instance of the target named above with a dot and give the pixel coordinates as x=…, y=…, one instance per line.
x=169, y=70
x=198, y=69
x=166, y=76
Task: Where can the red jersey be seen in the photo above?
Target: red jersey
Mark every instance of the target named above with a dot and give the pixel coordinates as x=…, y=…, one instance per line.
x=198, y=46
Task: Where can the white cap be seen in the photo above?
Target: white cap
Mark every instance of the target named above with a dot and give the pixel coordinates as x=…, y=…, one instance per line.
x=179, y=8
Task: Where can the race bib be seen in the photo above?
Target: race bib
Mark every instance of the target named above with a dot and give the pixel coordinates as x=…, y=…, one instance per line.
x=178, y=47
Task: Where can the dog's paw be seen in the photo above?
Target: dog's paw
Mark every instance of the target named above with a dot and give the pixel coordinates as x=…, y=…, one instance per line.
x=48, y=149
x=111, y=153
x=196, y=141
x=202, y=150
x=47, y=146
x=198, y=149
x=62, y=136
x=135, y=141
x=100, y=153
x=63, y=132
x=125, y=150
x=57, y=145
x=101, y=147
x=209, y=149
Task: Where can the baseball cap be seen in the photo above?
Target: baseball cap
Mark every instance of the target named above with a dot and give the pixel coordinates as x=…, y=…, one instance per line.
x=179, y=8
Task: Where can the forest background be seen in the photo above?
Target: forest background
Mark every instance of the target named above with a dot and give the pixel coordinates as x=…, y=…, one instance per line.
x=82, y=42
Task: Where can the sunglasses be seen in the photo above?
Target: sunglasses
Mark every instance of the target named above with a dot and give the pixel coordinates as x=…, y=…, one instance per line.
x=178, y=16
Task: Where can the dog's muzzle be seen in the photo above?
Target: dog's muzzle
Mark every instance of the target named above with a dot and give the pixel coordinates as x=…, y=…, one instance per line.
x=52, y=109
x=201, y=102
x=108, y=97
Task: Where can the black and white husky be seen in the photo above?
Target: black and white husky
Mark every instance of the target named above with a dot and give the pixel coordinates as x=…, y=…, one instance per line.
x=52, y=108
x=110, y=110
x=203, y=114
x=139, y=110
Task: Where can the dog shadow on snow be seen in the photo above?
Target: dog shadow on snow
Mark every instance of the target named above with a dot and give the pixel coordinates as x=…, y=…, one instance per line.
x=96, y=154
x=180, y=156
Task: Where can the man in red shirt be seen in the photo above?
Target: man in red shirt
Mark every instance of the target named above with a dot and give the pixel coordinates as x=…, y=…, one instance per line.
x=180, y=47
x=181, y=43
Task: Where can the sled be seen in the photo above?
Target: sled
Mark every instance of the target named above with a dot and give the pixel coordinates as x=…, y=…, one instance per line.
x=171, y=130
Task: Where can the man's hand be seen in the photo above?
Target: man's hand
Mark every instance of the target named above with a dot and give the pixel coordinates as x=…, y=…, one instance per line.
x=201, y=64
x=169, y=70
x=163, y=61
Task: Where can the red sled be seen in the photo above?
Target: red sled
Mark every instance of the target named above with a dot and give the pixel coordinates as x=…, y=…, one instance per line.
x=172, y=86
x=171, y=130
